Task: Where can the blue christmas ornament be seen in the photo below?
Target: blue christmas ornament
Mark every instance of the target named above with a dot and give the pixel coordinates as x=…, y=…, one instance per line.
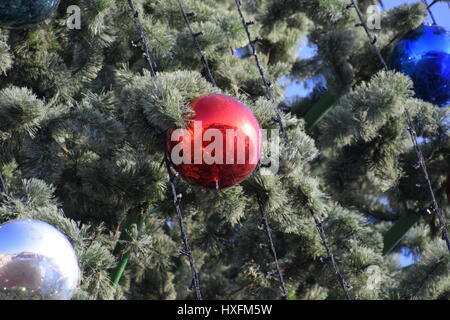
x=23, y=13
x=424, y=55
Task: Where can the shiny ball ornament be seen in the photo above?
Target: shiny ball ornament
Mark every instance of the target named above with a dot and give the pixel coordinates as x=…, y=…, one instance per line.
x=24, y=13
x=221, y=145
x=424, y=55
x=36, y=262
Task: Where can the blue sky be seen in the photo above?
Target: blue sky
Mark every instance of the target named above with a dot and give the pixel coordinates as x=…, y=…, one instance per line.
x=441, y=13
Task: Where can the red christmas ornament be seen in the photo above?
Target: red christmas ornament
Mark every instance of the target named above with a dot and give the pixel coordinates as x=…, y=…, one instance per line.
x=221, y=145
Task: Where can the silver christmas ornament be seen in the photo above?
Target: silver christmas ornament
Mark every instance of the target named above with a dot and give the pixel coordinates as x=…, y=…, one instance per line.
x=36, y=262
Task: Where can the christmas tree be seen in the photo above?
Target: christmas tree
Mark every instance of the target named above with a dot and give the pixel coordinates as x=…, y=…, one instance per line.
x=90, y=90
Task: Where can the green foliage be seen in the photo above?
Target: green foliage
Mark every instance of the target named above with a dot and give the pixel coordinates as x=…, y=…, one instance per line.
x=82, y=140
x=429, y=278
x=164, y=100
x=5, y=57
x=19, y=110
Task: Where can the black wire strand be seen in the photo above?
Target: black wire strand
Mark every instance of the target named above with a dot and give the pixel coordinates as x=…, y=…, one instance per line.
x=266, y=226
x=436, y=1
x=267, y=85
x=252, y=41
x=252, y=46
x=422, y=163
x=195, y=35
x=345, y=286
x=142, y=39
x=330, y=260
x=413, y=134
x=186, y=251
x=429, y=11
x=372, y=39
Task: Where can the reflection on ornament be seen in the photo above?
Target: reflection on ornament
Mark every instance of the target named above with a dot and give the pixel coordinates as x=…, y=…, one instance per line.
x=220, y=147
x=21, y=270
x=23, y=13
x=424, y=55
x=36, y=262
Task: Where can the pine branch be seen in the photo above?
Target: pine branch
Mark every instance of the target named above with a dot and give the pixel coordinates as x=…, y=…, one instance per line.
x=346, y=287
x=187, y=249
x=412, y=132
x=142, y=39
x=427, y=276
x=245, y=287
x=195, y=35
x=123, y=251
x=252, y=41
x=266, y=226
x=176, y=197
x=3, y=189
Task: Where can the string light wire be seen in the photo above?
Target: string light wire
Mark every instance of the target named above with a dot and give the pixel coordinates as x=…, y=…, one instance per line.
x=186, y=251
x=330, y=256
x=195, y=35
